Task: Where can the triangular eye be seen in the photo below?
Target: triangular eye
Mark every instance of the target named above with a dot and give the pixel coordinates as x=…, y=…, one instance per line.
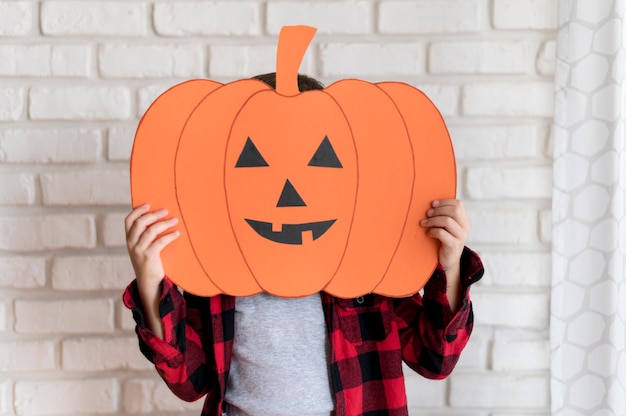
x=325, y=156
x=250, y=156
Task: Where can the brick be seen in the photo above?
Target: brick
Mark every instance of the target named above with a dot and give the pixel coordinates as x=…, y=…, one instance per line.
x=479, y=58
x=150, y=61
x=6, y=398
x=545, y=226
x=49, y=232
x=65, y=397
x=510, y=391
x=152, y=395
x=421, y=392
x=71, y=145
x=121, y=143
x=80, y=103
x=112, y=230
x=27, y=356
x=509, y=99
x=525, y=14
x=445, y=98
x=509, y=183
x=521, y=351
x=371, y=59
x=503, y=226
x=529, y=310
x=17, y=189
x=431, y=16
x=329, y=17
x=22, y=272
x=108, y=187
x=90, y=316
x=517, y=269
x=45, y=60
x=477, y=352
x=91, y=272
x=126, y=321
x=16, y=18
x=11, y=103
x=546, y=59
x=102, y=354
x=207, y=18
x=546, y=413
x=71, y=61
x=92, y=18
x=495, y=142
x=233, y=62
x=4, y=319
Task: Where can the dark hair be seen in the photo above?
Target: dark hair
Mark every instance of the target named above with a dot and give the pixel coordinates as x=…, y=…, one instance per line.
x=305, y=83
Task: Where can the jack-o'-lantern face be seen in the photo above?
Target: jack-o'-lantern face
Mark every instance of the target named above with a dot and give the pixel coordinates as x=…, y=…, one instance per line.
x=291, y=183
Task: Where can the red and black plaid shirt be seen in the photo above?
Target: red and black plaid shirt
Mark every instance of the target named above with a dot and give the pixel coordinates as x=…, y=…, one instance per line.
x=369, y=338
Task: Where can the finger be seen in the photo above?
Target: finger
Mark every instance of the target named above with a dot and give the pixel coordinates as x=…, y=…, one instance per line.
x=450, y=246
x=140, y=224
x=134, y=214
x=452, y=211
x=151, y=233
x=447, y=223
x=446, y=202
x=443, y=236
x=450, y=207
x=163, y=241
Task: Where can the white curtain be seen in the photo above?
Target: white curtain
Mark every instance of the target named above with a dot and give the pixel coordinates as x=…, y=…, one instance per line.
x=588, y=322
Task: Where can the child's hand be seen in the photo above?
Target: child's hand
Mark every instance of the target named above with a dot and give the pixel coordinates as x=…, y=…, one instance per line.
x=144, y=248
x=447, y=222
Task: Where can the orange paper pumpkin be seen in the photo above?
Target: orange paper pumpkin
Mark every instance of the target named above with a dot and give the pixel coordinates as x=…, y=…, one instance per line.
x=294, y=192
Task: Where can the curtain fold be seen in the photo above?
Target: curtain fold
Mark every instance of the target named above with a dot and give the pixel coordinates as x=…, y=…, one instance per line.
x=588, y=313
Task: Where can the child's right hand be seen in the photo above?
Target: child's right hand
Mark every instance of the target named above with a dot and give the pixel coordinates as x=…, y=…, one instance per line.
x=144, y=248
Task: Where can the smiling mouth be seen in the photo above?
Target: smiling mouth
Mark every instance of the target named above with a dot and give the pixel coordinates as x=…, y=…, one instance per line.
x=290, y=233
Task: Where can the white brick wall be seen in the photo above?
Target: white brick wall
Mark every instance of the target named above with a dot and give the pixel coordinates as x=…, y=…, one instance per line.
x=11, y=103
x=16, y=18
x=80, y=103
x=51, y=398
x=74, y=316
x=524, y=14
x=79, y=18
x=332, y=17
x=222, y=18
x=479, y=57
x=50, y=145
x=76, y=76
x=124, y=61
x=432, y=16
x=22, y=272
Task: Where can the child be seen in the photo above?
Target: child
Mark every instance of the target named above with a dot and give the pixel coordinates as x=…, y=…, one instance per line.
x=316, y=355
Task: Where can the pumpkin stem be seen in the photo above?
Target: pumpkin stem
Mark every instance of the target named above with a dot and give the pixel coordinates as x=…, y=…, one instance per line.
x=293, y=42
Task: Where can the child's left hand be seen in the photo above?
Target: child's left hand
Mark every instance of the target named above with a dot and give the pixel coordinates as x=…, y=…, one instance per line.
x=447, y=222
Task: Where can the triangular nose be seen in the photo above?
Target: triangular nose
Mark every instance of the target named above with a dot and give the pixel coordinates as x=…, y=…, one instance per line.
x=289, y=197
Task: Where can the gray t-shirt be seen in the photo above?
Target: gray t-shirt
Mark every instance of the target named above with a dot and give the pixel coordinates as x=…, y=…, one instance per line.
x=280, y=362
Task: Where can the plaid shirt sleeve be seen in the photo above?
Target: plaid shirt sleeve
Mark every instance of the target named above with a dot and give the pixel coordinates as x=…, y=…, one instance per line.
x=432, y=338
x=179, y=358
